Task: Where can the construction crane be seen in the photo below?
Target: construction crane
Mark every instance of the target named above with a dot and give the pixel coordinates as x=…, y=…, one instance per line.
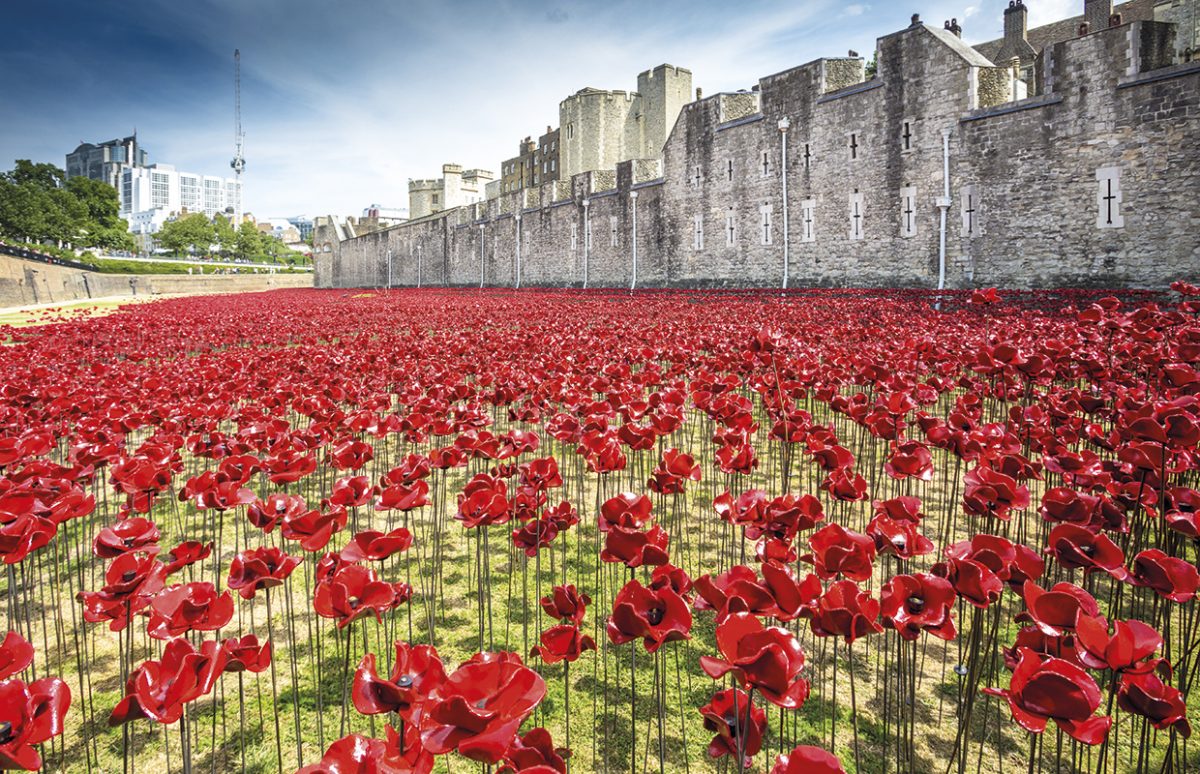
x=239, y=162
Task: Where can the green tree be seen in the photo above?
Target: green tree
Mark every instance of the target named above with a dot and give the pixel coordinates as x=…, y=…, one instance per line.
x=226, y=236
x=103, y=226
x=249, y=240
x=188, y=233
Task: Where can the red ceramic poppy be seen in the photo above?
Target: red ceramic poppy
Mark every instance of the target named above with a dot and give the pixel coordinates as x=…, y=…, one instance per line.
x=566, y=603
x=313, y=529
x=844, y=611
x=1056, y=611
x=376, y=546
x=736, y=723
x=838, y=551
x=159, y=689
x=534, y=753
x=564, y=642
x=132, y=534
x=131, y=580
x=658, y=616
x=627, y=510
x=276, y=508
x=15, y=654
x=899, y=538
x=1128, y=649
x=484, y=502
x=1077, y=547
x=356, y=754
x=534, y=535
x=403, y=497
x=764, y=658
x=1170, y=577
x=417, y=671
x=806, y=759
x=1042, y=690
x=1163, y=705
x=478, y=709
x=636, y=548
x=351, y=492
x=260, y=568
x=355, y=591
x=187, y=553
x=911, y=604
x=188, y=607
x=990, y=492
x=246, y=654
x=29, y=715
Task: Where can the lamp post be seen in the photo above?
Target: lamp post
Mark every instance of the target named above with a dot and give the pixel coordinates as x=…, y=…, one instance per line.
x=633, y=197
x=418, y=266
x=517, y=280
x=587, y=240
x=389, y=269
x=784, y=124
x=482, y=264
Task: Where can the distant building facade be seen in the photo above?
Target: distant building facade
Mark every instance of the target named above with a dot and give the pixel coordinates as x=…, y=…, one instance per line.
x=106, y=161
x=536, y=163
x=161, y=186
x=455, y=188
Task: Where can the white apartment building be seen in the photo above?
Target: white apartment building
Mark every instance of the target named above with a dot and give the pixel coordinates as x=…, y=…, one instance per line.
x=161, y=187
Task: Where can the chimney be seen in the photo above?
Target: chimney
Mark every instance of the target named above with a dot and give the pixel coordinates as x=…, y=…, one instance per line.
x=953, y=28
x=916, y=19
x=699, y=93
x=1097, y=13
x=1016, y=22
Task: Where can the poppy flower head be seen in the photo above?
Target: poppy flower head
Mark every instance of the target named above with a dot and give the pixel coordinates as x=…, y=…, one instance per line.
x=658, y=616
x=736, y=723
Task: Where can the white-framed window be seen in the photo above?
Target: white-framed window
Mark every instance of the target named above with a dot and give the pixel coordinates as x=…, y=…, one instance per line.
x=1108, y=198
x=587, y=233
x=969, y=210
x=764, y=223
x=857, y=214
x=908, y=135
x=765, y=164
x=908, y=211
x=730, y=228
x=698, y=232
x=574, y=237
x=808, y=220
x=612, y=230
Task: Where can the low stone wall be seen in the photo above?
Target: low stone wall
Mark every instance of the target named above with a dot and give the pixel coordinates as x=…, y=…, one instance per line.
x=28, y=282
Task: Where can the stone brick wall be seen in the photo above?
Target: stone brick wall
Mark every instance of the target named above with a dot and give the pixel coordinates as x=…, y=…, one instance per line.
x=23, y=283
x=1092, y=182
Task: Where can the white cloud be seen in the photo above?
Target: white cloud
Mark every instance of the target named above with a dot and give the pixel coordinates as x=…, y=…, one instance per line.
x=855, y=9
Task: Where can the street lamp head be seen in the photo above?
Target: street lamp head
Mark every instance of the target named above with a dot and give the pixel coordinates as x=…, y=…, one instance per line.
x=586, y=203
x=633, y=194
x=784, y=124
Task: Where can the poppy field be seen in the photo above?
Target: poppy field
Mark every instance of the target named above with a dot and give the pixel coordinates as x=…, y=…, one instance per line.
x=551, y=531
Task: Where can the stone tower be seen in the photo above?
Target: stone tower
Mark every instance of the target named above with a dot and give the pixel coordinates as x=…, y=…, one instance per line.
x=664, y=91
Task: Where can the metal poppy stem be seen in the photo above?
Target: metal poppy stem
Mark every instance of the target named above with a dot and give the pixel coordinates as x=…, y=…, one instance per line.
x=274, y=682
x=633, y=707
x=853, y=706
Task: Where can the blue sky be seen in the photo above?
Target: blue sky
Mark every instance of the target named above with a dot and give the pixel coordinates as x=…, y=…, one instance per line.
x=344, y=101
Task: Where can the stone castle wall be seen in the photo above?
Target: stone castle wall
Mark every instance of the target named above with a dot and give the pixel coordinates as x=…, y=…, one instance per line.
x=1092, y=182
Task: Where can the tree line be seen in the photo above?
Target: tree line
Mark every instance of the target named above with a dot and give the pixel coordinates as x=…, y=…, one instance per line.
x=39, y=204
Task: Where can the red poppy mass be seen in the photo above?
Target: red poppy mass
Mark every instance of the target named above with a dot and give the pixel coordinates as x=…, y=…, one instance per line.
x=536, y=531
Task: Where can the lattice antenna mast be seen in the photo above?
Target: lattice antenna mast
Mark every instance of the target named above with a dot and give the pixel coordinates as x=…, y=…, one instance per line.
x=239, y=162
